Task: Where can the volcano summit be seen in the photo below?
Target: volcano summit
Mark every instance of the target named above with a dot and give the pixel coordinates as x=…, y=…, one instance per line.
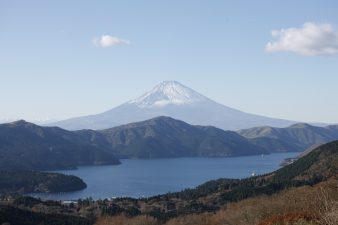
x=170, y=98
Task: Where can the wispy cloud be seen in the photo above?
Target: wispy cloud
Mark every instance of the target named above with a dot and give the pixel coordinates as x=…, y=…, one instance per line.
x=107, y=41
x=309, y=40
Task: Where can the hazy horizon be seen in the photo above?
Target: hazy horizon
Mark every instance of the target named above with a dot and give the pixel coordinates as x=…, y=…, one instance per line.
x=67, y=59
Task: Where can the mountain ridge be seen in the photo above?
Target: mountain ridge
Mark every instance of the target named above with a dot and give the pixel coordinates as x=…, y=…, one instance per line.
x=297, y=137
x=167, y=137
x=26, y=146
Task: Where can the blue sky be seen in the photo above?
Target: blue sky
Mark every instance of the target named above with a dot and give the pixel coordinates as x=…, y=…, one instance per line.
x=50, y=66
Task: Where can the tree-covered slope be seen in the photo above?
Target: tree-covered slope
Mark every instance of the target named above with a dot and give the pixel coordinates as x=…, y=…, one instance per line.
x=297, y=137
x=166, y=137
x=24, y=145
x=319, y=164
x=17, y=216
x=33, y=181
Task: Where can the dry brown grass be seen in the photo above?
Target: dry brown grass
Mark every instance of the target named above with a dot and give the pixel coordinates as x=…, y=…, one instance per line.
x=291, y=218
x=297, y=206
x=123, y=220
x=253, y=211
x=328, y=204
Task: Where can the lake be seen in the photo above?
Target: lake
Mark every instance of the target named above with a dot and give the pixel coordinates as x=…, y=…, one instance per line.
x=142, y=178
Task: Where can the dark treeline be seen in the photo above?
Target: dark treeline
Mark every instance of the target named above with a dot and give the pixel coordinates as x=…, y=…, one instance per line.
x=13, y=215
x=21, y=181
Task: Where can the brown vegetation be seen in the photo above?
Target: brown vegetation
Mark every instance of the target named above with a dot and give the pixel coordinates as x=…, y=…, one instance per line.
x=306, y=205
x=290, y=218
x=123, y=220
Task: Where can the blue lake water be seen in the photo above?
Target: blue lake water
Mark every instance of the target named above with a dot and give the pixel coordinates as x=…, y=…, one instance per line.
x=139, y=178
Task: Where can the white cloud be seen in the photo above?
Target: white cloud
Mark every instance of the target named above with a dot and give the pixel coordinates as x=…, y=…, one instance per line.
x=106, y=41
x=309, y=40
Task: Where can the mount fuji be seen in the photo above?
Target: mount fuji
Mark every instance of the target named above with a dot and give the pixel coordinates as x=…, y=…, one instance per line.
x=170, y=98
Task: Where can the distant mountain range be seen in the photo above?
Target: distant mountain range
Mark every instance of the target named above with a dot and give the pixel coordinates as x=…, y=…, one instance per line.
x=41, y=121
x=164, y=137
x=24, y=145
x=175, y=100
x=297, y=137
x=27, y=146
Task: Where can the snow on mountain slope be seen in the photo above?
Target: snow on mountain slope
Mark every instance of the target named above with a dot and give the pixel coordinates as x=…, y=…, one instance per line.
x=170, y=98
x=166, y=93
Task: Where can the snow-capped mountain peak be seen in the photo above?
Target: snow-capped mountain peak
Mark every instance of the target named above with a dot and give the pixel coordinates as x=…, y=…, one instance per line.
x=175, y=100
x=168, y=93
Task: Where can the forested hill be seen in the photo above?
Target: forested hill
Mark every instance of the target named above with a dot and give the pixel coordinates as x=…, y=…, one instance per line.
x=163, y=137
x=297, y=137
x=34, y=181
x=25, y=145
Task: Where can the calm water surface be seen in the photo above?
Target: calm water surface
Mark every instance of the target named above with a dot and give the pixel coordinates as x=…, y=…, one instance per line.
x=139, y=178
